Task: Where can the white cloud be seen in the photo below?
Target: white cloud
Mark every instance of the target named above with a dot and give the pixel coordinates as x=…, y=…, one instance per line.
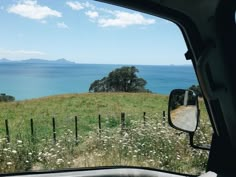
x=31, y=9
x=107, y=11
x=75, y=5
x=92, y=14
x=108, y=18
x=124, y=19
x=62, y=25
x=16, y=54
x=89, y=5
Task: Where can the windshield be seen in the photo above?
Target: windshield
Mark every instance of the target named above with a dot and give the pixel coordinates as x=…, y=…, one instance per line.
x=86, y=84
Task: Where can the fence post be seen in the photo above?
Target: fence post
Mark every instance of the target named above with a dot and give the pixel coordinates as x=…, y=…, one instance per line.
x=99, y=124
x=144, y=118
x=76, y=130
x=7, y=131
x=54, y=129
x=164, y=118
x=122, y=121
x=32, y=129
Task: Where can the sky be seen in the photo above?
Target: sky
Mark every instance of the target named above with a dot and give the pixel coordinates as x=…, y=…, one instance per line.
x=86, y=31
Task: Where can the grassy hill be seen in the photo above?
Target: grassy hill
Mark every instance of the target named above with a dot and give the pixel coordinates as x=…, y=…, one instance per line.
x=154, y=144
x=86, y=106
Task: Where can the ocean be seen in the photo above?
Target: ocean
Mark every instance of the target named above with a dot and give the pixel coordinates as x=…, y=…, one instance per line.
x=27, y=80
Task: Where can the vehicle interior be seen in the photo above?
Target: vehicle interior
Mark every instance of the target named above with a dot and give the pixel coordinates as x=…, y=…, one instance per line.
x=209, y=30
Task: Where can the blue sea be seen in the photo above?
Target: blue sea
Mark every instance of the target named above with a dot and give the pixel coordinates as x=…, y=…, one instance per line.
x=27, y=80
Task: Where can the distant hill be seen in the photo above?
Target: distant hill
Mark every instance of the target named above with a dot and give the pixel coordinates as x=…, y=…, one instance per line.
x=4, y=60
x=37, y=61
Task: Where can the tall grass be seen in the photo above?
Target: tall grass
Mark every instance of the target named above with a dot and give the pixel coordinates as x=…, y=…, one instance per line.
x=151, y=145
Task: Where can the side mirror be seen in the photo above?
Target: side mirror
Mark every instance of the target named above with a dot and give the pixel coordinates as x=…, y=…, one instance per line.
x=183, y=111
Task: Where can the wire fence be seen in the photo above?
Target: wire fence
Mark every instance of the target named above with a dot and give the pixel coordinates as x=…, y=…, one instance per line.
x=32, y=126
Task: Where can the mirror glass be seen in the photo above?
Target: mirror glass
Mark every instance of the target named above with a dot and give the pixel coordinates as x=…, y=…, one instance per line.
x=183, y=110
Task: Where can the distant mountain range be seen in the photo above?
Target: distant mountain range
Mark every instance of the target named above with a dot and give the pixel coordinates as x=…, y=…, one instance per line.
x=37, y=61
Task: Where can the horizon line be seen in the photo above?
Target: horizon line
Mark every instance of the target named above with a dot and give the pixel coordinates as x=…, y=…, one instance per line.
x=76, y=62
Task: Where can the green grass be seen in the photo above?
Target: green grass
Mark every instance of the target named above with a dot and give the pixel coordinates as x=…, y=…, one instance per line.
x=86, y=106
x=153, y=145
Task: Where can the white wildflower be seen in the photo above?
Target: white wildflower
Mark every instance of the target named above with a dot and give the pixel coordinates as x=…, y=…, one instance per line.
x=9, y=163
x=54, y=156
x=14, y=151
x=59, y=161
x=126, y=135
x=19, y=141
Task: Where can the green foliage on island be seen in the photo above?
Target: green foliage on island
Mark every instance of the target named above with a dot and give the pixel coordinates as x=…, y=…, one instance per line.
x=123, y=79
x=6, y=98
